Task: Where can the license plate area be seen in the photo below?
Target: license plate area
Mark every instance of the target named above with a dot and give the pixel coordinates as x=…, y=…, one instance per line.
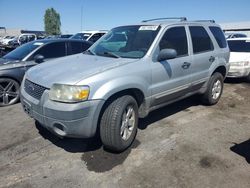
x=27, y=108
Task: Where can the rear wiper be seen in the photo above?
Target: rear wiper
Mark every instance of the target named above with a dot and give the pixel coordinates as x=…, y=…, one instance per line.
x=111, y=54
x=89, y=52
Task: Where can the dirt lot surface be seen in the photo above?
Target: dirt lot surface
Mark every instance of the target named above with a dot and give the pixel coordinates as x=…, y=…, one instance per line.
x=182, y=145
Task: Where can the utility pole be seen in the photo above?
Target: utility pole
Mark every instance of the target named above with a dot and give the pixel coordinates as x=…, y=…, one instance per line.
x=81, y=18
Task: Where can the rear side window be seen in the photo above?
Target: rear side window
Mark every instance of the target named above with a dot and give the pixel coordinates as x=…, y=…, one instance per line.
x=239, y=45
x=52, y=50
x=175, y=38
x=200, y=39
x=219, y=36
x=78, y=47
x=95, y=37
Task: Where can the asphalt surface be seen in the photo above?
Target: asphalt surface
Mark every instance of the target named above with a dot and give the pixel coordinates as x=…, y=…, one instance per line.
x=184, y=144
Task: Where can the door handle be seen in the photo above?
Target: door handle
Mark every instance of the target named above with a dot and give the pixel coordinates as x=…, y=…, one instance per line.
x=211, y=59
x=186, y=65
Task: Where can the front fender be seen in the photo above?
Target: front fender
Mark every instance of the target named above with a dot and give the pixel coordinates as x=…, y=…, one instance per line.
x=113, y=86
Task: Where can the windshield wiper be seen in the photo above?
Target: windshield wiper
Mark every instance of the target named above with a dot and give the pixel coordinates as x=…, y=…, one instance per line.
x=111, y=54
x=89, y=52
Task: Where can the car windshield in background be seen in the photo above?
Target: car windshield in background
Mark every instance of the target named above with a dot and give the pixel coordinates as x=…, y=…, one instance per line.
x=126, y=41
x=239, y=45
x=82, y=36
x=22, y=51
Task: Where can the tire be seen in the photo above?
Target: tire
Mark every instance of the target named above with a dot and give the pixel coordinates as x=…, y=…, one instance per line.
x=248, y=78
x=9, y=91
x=118, y=124
x=214, y=89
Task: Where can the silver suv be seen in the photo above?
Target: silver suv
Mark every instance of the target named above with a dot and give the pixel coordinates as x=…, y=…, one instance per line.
x=129, y=72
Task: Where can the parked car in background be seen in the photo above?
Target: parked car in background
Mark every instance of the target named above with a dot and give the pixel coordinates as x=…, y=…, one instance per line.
x=14, y=64
x=239, y=58
x=235, y=35
x=91, y=36
x=129, y=72
x=26, y=37
x=7, y=39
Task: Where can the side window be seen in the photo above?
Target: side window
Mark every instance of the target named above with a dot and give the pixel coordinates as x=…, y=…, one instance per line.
x=219, y=36
x=200, y=39
x=78, y=47
x=95, y=37
x=52, y=50
x=175, y=38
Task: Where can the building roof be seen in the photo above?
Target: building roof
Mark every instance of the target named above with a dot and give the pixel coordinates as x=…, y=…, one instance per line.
x=236, y=26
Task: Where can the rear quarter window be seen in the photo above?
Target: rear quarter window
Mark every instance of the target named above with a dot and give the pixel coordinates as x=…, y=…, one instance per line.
x=219, y=36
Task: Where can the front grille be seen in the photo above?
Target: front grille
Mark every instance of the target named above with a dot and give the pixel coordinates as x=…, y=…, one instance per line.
x=33, y=89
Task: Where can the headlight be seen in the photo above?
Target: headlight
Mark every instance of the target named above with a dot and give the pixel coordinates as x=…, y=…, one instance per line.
x=68, y=93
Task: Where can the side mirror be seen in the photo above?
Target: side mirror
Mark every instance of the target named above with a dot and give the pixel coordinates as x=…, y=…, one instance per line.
x=39, y=58
x=166, y=54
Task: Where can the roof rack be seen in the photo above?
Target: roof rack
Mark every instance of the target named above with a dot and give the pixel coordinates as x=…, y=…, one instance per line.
x=169, y=18
x=212, y=21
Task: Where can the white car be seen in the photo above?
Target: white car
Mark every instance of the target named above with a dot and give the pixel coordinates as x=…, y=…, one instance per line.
x=7, y=39
x=239, y=57
x=91, y=36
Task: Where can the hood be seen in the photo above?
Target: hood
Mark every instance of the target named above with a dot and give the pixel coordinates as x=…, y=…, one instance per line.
x=239, y=56
x=72, y=69
x=8, y=64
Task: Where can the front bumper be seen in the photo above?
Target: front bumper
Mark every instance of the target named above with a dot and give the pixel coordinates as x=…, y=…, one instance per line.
x=238, y=71
x=64, y=119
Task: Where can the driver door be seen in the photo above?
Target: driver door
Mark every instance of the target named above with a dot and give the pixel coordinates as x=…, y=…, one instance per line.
x=171, y=78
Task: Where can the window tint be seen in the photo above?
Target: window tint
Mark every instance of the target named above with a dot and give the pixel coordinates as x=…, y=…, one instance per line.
x=52, y=50
x=96, y=36
x=175, y=38
x=200, y=39
x=219, y=36
x=78, y=47
x=239, y=45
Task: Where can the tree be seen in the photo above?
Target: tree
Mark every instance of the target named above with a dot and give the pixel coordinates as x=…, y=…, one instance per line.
x=52, y=23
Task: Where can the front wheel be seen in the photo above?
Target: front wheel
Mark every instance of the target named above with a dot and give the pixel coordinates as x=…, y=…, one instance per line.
x=118, y=125
x=9, y=91
x=214, y=89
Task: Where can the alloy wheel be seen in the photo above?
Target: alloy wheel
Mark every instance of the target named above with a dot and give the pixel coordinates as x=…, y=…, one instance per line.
x=9, y=91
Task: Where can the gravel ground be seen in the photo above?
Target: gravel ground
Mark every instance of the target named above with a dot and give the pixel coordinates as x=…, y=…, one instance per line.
x=182, y=145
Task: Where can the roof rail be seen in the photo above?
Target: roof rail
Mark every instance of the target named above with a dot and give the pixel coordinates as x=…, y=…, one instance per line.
x=212, y=21
x=169, y=18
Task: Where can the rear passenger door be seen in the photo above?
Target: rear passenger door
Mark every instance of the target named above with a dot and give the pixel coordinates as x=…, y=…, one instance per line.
x=171, y=78
x=203, y=55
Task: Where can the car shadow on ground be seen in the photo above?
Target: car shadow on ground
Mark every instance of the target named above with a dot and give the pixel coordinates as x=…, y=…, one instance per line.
x=236, y=81
x=242, y=149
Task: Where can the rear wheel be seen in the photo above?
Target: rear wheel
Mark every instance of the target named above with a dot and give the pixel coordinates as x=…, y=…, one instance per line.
x=118, y=125
x=214, y=89
x=9, y=91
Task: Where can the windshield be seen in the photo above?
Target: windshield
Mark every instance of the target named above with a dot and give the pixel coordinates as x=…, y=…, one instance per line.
x=239, y=45
x=126, y=41
x=82, y=36
x=22, y=51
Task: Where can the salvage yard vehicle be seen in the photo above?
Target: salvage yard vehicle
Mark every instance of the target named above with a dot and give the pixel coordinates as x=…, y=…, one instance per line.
x=14, y=65
x=106, y=89
x=239, y=58
x=91, y=36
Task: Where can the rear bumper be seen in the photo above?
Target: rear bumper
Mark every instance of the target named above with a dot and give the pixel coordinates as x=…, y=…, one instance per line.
x=238, y=71
x=64, y=119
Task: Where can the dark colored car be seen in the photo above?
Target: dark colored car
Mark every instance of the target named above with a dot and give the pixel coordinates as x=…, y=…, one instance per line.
x=14, y=64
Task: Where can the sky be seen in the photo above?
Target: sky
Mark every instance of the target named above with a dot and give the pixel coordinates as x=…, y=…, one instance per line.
x=106, y=14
